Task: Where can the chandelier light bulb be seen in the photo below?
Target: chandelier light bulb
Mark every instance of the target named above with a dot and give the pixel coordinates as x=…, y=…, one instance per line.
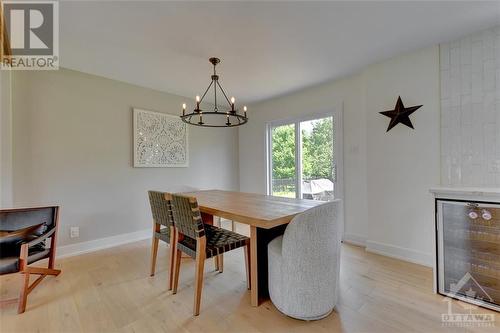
x=184, y=106
x=245, y=108
x=232, y=104
x=198, y=104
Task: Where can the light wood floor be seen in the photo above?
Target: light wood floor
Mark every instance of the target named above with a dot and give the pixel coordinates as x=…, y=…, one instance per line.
x=111, y=291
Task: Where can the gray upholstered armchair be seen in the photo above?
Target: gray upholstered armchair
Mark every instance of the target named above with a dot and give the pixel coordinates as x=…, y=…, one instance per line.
x=304, y=264
x=23, y=236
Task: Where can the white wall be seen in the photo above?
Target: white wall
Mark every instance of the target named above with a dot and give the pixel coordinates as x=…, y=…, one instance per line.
x=470, y=104
x=403, y=164
x=72, y=146
x=386, y=175
x=313, y=101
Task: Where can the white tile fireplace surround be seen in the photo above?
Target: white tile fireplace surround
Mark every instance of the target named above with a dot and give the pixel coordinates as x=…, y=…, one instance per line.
x=470, y=110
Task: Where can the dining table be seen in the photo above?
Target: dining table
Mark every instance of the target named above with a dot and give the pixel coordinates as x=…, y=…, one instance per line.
x=267, y=217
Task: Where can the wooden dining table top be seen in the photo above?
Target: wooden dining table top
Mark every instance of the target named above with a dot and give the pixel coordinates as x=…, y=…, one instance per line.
x=259, y=210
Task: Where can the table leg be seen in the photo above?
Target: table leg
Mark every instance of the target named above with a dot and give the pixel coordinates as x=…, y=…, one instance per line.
x=254, y=291
x=259, y=238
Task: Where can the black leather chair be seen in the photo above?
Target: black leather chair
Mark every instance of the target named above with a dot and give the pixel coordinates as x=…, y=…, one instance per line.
x=24, y=233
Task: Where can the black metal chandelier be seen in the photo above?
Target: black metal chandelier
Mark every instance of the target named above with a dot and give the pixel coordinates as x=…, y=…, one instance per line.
x=215, y=118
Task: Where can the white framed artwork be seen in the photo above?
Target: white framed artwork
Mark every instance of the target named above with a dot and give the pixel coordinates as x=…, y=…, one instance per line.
x=160, y=140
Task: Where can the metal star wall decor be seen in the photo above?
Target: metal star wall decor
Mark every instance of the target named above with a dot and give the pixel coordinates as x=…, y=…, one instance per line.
x=400, y=114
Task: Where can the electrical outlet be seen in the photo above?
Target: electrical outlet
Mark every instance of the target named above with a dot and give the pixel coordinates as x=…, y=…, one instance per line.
x=74, y=232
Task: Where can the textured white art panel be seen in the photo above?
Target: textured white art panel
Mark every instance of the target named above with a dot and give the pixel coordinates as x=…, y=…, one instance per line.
x=160, y=140
x=470, y=110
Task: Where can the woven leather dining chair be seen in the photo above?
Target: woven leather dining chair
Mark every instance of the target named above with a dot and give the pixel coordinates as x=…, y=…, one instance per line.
x=201, y=241
x=162, y=216
x=163, y=229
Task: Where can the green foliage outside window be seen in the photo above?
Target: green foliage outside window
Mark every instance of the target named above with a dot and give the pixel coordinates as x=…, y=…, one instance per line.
x=284, y=152
x=317, y=151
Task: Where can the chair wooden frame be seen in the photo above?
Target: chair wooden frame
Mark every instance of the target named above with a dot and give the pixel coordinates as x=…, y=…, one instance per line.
x=25, y=270
x=155, y=239
x=154, y=252
x=157, y=227
x=201, y=243
x=219, y=260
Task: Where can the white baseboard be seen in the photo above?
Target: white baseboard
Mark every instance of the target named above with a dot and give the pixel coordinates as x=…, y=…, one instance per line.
x=354, y=239
x=102, y=243
x=371, y=246
x=401, y=253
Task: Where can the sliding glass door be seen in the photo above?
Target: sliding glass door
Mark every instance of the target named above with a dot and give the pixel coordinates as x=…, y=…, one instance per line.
x=302, y=160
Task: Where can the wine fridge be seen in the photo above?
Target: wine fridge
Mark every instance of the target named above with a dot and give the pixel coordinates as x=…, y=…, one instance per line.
x=468, y=251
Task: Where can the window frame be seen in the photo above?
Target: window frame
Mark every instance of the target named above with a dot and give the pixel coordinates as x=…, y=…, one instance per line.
x=336, y=114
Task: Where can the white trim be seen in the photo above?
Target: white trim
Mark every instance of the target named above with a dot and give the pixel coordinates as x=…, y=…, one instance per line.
x=354, y=239
x=337, y=114
x=269, y=159
x=338, y=160
x=401, y=253
x=298, y=159
x=467, y=193
x=439, y=250
x=371, y=246
x=312, y=116
x=102, y=243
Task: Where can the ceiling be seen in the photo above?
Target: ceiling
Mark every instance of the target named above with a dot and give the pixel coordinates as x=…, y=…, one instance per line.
x=267, y=48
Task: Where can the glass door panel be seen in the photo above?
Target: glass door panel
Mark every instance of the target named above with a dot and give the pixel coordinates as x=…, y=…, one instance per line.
x=469, y=251
x=283, y=161
x=317, y=159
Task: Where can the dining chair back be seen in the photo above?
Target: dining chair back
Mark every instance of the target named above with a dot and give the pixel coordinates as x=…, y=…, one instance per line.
x=187, y=216
x=304, y=263
x=201, y=242
x=160, y=208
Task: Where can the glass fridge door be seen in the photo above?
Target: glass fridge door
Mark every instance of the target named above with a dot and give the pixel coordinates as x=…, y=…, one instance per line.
x=469, y=252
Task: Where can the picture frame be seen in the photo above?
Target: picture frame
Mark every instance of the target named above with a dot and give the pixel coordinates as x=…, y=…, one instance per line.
x=160, y=140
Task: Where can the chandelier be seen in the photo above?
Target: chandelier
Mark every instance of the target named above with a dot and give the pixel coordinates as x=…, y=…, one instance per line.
x=228, y=117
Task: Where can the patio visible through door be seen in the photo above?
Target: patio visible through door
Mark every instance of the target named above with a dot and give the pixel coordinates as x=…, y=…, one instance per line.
x=302, y=158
